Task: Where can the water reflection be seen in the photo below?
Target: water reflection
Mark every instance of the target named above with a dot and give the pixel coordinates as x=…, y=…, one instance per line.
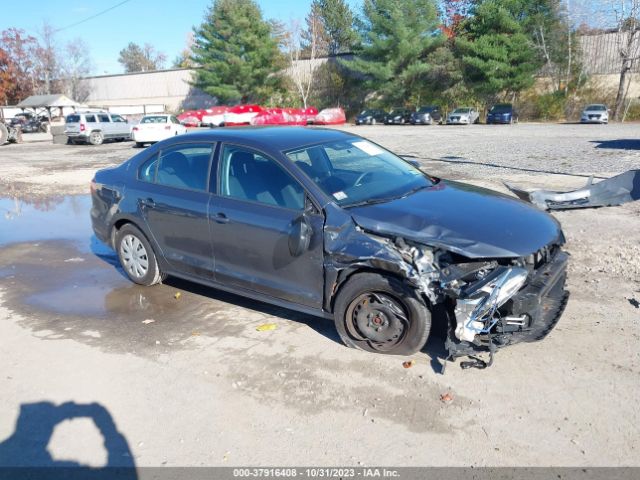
x=50, y=218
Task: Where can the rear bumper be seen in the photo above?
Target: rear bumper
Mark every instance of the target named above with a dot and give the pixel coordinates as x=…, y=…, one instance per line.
x=77, y=136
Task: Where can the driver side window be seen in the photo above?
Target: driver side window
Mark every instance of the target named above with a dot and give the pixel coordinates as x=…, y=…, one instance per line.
x=248, y=175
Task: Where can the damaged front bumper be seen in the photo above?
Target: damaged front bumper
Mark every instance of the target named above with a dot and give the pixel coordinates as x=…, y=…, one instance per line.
x=506, y=315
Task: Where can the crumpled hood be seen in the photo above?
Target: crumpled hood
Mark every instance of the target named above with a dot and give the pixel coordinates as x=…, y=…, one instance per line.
x=472, y=221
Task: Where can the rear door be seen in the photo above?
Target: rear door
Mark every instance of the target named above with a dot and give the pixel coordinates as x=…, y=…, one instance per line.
x=173, y=195
x=253, y=219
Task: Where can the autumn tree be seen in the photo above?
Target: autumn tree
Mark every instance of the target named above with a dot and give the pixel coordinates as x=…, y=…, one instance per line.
x=18, y=70
x=135, y=58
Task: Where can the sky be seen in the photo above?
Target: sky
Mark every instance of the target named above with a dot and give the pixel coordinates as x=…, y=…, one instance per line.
x=164, y=24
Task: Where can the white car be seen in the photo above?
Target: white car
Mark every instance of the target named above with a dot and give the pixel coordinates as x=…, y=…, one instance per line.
x=463, y=116
x=156, y=127
x=595, y=114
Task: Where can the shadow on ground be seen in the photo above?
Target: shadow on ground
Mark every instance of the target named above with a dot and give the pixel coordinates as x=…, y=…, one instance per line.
x=620, y=144
x=25, y=454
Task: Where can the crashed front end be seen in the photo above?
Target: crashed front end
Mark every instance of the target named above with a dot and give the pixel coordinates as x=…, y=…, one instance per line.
x=486, y=303
x=496, y=304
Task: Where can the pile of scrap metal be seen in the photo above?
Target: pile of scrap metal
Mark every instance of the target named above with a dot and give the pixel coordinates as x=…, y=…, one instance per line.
x=8, y=132
x=613, y=191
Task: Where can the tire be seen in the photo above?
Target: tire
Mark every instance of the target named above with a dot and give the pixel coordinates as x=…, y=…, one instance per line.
x=139, y=144
x=96, y=138
x=136, y=256
x=403, y=317
x=4, y=134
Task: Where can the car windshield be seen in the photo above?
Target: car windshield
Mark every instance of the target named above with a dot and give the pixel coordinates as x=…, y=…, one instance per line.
x=154, y=119
x=501, y=109
x=461, y=110
x=367, y=112
x=426, y=109
x=356, y=172
x=397, y=111
x=596, y=108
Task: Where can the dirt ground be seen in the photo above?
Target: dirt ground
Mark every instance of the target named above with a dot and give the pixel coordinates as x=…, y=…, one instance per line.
x=187, y=380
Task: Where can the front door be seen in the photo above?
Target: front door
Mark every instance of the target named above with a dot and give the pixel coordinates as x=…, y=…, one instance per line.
x=174, y=200
x=253, y=219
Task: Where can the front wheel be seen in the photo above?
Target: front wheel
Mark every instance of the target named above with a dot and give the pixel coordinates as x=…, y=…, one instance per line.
x=137, y=257
x=381, y=314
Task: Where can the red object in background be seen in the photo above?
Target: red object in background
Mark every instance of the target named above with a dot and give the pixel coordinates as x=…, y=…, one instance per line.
x=331, y=116
x=285, y=116
x=190, y=118
x=241, y=115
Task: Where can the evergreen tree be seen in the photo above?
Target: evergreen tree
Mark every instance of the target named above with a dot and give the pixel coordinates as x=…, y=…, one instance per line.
x=397, y=37
x=497, y=51
x=237, y=52
x=337, y=20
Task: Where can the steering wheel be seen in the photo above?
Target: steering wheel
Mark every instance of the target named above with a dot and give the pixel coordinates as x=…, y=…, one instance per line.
x=361, y=177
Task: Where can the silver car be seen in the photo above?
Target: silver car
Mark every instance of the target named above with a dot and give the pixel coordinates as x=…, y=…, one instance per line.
x=596, y=113
x=96, y=127
x=463, y=116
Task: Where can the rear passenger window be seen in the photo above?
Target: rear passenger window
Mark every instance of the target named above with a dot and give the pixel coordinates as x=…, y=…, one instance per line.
x=90, y=118
x=185, y=166
x=104, y=118
x=147, y=172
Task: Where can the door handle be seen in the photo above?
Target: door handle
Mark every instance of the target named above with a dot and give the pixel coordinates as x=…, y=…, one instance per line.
x=221, y=218
x=148, y=202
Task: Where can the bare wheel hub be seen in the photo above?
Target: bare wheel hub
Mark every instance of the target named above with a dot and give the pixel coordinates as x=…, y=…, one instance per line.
x=378, y=319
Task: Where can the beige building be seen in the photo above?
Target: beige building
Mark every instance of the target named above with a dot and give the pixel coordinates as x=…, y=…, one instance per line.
x=146, y=92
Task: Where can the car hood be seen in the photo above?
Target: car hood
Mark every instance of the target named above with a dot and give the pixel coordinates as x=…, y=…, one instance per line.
x=594, y=112
x=471, y=221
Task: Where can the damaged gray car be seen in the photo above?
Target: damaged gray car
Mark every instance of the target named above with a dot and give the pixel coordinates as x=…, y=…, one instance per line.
x=331, y=224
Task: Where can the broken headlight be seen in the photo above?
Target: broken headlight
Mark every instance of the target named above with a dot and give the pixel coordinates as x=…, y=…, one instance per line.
x=477, y=305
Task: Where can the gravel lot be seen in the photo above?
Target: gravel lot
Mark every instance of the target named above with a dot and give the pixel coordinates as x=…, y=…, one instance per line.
x=188, y=380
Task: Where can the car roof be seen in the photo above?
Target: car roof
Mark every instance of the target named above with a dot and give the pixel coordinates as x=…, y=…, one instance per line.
x=272, y=138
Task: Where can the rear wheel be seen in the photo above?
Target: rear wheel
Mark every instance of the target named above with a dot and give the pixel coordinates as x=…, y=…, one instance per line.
x=139, y=144
x=382, y=315
x=136, y=256
x=96, y=138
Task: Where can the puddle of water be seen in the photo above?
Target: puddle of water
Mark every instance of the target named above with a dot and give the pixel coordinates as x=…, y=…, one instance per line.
x=53, y=218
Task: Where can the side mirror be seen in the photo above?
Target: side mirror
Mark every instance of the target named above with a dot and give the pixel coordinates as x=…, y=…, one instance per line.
x=300, y=236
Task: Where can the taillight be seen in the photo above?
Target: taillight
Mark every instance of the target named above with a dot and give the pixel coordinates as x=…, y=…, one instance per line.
x=134, y=129
x=82, y=127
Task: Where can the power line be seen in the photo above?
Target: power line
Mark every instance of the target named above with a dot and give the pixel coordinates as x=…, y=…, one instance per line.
x=92, y=16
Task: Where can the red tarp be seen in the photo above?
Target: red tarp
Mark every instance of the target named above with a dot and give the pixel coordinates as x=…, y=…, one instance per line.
x=257, y=115
x=331, y=116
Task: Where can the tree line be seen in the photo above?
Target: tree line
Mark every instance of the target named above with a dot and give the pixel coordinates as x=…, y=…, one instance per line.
x=390, y=53
x=403, y=53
